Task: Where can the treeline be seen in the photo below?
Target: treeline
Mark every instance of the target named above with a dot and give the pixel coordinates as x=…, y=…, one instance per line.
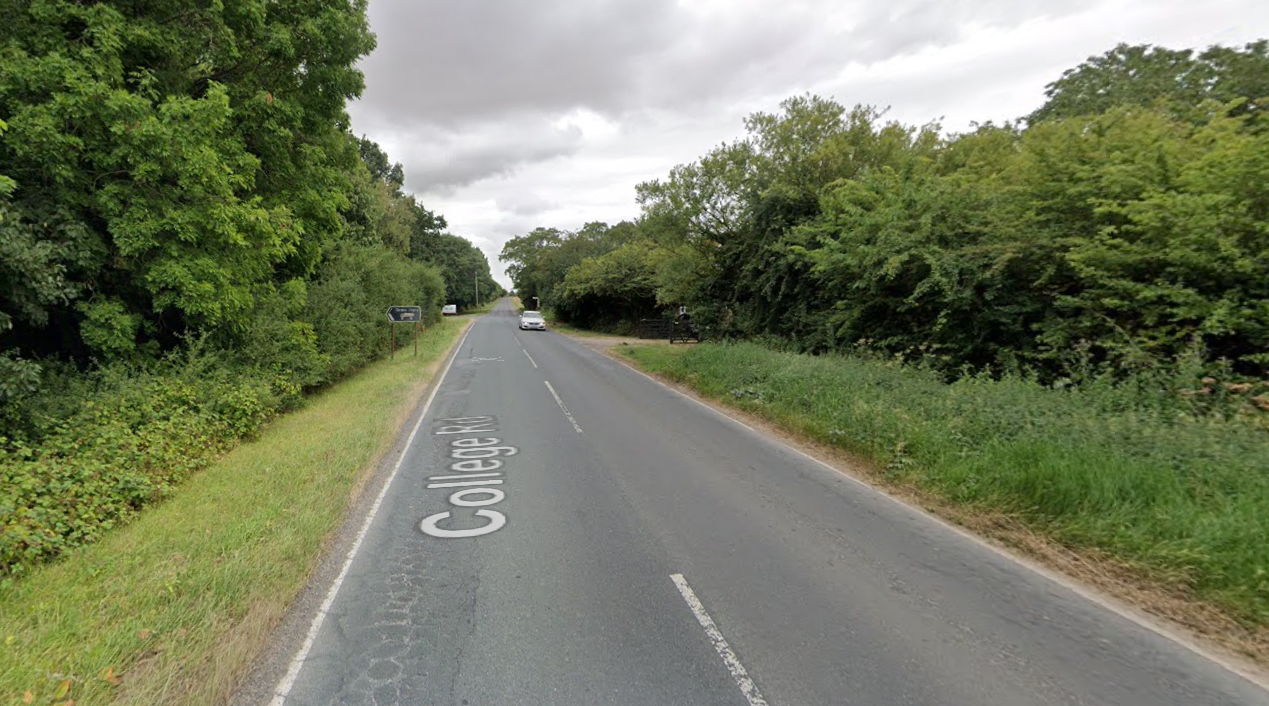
x=1124, y=225
x=190, y=237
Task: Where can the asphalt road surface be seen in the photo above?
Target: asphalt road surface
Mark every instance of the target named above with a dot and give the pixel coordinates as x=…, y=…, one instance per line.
x=562, y=530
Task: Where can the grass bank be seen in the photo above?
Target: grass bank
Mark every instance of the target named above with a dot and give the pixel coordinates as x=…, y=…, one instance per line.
x=171, y=608
x=1177, y=492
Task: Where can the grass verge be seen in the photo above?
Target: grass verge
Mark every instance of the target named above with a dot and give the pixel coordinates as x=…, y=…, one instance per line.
x=583, y=333
x=171, y=608
x=1181, y=500
x=480, y=310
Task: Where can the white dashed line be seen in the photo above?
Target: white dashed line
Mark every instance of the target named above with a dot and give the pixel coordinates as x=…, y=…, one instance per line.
x=526, y=354
x=560, y=402
x=747, y=687
x=288, y=681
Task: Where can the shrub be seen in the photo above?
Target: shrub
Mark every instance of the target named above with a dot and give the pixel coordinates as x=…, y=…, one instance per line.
x=133, y=437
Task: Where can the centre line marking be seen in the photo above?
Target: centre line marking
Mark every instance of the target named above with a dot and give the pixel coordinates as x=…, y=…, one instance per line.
x=560, y=402
x=747, y=687
x=526, y=353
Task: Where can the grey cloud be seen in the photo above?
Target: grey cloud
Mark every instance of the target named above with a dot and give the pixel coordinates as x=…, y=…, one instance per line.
x=468, y=86
x=445, y=62
x=437, y=159
x=889, y=30
x=469, y=164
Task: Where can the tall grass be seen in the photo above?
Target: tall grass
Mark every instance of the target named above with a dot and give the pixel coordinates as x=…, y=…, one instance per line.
x=1177, y=489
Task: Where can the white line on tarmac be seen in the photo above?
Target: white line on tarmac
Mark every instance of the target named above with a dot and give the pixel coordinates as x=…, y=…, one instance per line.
x=560, y=402
x=288, y=681
x=747, y=687
x=526, y=353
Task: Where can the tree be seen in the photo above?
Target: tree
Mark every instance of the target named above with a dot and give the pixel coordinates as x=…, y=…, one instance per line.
x=611, y=289
x=194, y=152
x=381, y=168
x=464, y=268
x=33, y=264
x=1170, y=241
x=1144, y=75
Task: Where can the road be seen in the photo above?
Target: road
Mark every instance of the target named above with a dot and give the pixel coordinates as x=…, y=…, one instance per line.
x=563, y=530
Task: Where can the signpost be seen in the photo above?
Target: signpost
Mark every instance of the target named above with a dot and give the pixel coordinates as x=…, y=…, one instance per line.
x=403, y=315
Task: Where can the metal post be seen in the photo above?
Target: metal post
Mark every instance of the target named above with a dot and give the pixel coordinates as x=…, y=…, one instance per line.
x=393, y=349
x=416, y=339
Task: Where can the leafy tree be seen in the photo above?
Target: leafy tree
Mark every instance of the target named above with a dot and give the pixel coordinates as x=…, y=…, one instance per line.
x=540, y=260
x=34, y=266
x=1172, y=245
x=425, y=231
x=195, y=151
x=464, y=268
x=734, y=210
x=1144, y=75
x=381, y=168
x=618, y=286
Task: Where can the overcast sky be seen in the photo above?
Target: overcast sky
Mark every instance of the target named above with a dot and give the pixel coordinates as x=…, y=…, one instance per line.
x=513, y=114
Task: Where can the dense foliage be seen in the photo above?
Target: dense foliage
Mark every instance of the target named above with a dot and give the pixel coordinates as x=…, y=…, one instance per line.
x=178, y=182
x=1123, y=224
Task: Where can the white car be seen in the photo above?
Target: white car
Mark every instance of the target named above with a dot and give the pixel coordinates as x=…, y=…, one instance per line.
x=532, y=320
x=449, y=309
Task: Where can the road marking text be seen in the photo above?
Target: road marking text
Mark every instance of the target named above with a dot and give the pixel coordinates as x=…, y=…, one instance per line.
x=476, y=461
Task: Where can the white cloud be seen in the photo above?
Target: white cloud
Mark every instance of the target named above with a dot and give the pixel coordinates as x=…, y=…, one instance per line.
x=509, y=115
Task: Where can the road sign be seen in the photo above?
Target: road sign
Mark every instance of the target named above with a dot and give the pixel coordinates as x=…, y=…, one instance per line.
x=404, y=314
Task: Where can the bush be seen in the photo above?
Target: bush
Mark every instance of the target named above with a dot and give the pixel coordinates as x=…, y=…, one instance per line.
x=128, y=445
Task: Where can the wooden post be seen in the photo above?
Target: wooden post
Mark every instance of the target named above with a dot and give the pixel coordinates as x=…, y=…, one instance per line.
x=393, y=349
x=416, y=339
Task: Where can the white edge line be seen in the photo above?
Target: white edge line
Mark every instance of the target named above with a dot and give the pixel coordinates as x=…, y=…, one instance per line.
x=1114, y=605
x=564, y=409
x=283, y=689
x=526, y=353
x=747, y=687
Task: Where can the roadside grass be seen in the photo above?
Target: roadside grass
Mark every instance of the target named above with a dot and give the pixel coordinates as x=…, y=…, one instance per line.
x=583, y=333
x=171, y=608
x=479, y=310
x=1180, y=498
